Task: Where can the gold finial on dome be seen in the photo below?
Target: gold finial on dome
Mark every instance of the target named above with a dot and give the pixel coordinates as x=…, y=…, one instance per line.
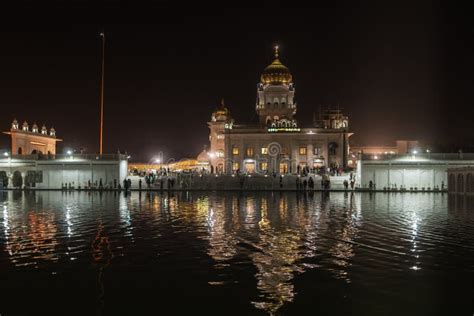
x=276, y=73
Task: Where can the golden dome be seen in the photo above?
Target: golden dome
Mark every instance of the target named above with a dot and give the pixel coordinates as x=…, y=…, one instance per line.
x=221, y=110
x=276, y=73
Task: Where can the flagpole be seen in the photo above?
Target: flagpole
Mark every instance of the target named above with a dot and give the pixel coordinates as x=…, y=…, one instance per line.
x=102, y=35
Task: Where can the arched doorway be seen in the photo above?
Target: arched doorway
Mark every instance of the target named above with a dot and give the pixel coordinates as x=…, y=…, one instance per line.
x=20, y=151
x=469, y=183
x=460, y=184
x=34, y=152
x=452, y=183
x=17, y=180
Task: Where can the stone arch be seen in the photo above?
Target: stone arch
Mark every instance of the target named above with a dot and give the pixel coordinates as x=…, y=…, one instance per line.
x=460, y=183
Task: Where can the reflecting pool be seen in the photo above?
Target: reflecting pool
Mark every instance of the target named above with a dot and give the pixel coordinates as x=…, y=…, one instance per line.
x=212, y=253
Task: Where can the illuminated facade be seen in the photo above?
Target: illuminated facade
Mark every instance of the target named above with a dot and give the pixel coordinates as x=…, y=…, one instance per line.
x=276, y=143
x=34, y=141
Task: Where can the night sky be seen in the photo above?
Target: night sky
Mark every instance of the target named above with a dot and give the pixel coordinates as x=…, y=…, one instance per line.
x=400, y=71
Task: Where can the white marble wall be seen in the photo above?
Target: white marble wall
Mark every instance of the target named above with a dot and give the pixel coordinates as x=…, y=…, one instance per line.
x=55, y=173
x=409, y=175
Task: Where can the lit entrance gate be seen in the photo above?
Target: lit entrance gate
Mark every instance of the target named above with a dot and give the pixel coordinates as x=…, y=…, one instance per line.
x=250, y=167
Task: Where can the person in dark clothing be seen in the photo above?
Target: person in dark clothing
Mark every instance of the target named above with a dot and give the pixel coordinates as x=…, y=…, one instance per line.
x=140, y=184
x=311, y=183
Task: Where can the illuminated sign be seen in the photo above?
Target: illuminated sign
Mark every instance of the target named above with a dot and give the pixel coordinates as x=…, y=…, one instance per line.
x=283, y=129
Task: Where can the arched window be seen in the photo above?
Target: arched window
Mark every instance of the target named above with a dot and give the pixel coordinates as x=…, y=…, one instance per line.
x=452, y=183
x=460, y=184
x=20, y=151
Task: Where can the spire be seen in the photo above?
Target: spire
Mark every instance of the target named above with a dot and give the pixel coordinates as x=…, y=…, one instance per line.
x=276, y=51
x=222, y=103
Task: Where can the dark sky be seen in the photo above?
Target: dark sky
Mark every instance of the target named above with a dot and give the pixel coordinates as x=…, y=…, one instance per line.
x=400, y=70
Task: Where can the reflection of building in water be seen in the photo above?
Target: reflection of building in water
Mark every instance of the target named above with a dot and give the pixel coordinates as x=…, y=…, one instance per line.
x=342, y=250
x=280, y=233
x=461, y=202
x=101, y=254
x=30, y=238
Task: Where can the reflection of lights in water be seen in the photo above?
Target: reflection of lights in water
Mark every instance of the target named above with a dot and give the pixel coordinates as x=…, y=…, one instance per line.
x=125, y=218
x=415, y=220
x=342, y=251
x=249, y=211
x=5, y=220
x=276, y=267
x=30, y=241
x=222, y=241
x=68, y=221
x=124, y=211
x=6, y=226
x=211, y=219
x=281, y=251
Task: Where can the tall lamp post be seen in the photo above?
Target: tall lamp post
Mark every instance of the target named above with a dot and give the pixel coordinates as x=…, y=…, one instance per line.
x=102, y=35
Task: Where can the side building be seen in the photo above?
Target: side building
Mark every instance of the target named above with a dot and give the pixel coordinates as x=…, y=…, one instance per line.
x=277, y=143
x=420, y=171
x=34, y=163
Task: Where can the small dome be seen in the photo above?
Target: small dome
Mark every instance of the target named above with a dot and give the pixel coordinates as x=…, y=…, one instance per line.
x=222, y=110
x=221, y=113
x=276, y=73
x=15, y=124
x=34, y=128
